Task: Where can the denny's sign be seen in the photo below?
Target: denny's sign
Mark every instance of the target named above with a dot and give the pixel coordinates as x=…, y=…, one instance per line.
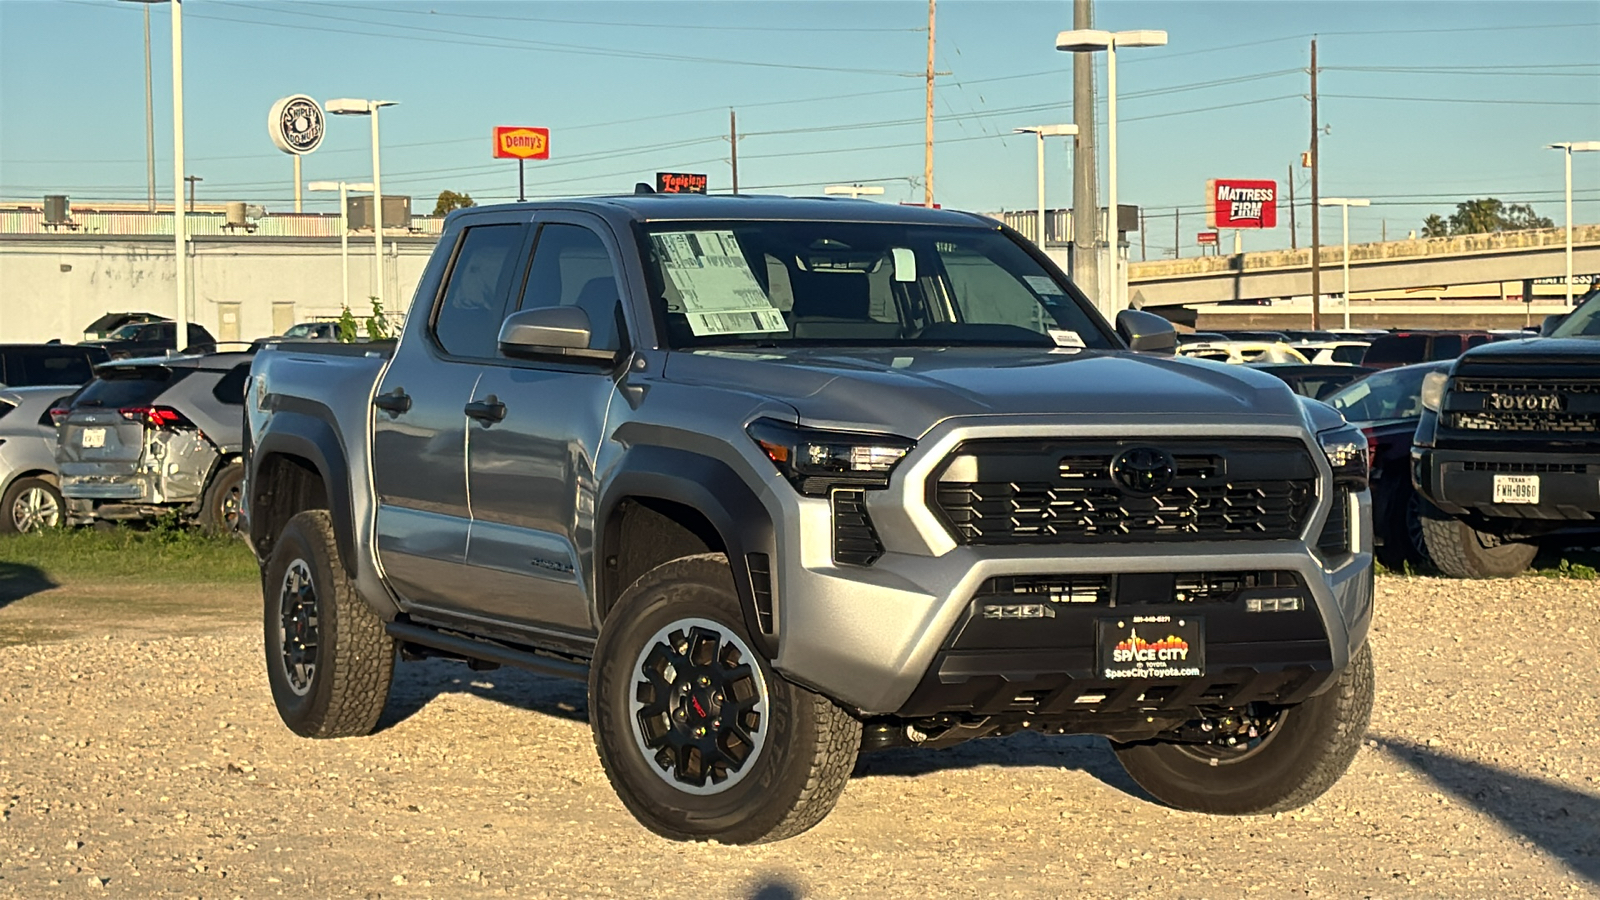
x=520, y=142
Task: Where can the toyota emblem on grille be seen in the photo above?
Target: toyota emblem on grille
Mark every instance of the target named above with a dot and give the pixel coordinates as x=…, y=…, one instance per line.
x=1144, y=470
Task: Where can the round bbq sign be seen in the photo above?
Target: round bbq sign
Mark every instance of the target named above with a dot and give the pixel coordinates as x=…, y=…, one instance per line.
x=295, y=124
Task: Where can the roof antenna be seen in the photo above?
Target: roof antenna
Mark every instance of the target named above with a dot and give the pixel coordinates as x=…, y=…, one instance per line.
x=643, y=188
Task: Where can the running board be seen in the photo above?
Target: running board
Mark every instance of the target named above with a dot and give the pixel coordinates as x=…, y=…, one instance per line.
x=488, y=651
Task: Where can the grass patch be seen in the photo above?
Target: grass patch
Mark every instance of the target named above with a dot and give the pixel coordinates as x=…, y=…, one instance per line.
x=163, y=554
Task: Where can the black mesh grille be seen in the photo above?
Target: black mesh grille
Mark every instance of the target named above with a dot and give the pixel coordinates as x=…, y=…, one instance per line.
x=1049, y=492
x=1335, y=537
x=1545, y=406
x=1085, y=589
x=855, y=541
x=1524, y=468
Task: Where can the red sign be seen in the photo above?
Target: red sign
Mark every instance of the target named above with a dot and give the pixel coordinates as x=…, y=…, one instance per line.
x=680, y=183
x=518, y=142
x=1206, y=237
x=1238, y=203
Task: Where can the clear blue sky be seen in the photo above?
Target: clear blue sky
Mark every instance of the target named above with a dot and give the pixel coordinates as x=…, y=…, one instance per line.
x=1428, y=103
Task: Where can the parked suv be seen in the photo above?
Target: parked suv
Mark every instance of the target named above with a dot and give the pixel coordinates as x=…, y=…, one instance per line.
x=27, y=365
x=153, y=338
x=30, y=493
x=1508, y=449
x=786, y=480
x=153, y=436
x=1404, y=348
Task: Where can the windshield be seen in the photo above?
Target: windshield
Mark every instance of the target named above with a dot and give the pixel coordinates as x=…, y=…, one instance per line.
x=1395, y=394
x=127, y=332
x=1584, y=321
x=855, y=283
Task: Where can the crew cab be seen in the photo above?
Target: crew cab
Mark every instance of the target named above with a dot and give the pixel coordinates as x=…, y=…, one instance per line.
x=787, y=480
x=1507, y=452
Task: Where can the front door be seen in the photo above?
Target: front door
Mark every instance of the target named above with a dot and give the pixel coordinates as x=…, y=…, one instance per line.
x=419, y=462
x=531, y=473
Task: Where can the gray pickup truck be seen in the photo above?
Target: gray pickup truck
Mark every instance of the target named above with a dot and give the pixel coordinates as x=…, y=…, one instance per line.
x=791, y=479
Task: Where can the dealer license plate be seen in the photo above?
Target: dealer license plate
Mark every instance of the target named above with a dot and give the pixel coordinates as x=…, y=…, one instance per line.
x=94, y=437
x=1516, y=489
x=1153, y=646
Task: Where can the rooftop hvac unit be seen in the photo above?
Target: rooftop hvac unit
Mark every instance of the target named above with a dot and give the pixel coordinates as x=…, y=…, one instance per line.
x=396, y=212
x=236, y=215
x=56, y=210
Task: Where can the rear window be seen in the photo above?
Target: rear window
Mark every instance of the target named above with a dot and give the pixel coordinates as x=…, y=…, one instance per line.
x=5, y=407
x=1408, y=348
x=44, y=365
x=129, y=387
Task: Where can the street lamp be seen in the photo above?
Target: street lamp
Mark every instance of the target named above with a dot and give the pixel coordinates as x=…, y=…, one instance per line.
x=180, y=222
x=1044, y=131
x=343, y=187
x=1571, y=147
x=854, y=190
x=1346, y=203
x=349, y=107
x=1089, y=40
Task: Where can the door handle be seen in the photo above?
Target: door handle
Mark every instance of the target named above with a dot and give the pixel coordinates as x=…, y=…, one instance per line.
x=396, y=401
x=489, y=410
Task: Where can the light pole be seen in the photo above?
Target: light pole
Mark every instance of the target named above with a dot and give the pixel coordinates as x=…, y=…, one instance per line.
x=348, y=107
x=180, y=223
x=854, y=190
x=1090, y=40
x=1345, y=203
x=1571, y=147
x=1044, y=131
x=343, y=187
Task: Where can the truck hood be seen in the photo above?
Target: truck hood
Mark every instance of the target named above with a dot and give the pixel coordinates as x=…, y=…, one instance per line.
x=1531, y=351
x=908, y=390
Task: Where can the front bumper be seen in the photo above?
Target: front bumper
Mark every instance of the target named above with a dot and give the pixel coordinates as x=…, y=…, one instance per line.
x=1461, y=483
x=882, y=639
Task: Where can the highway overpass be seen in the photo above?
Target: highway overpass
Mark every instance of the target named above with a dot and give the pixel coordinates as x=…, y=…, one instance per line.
x=1386, y=266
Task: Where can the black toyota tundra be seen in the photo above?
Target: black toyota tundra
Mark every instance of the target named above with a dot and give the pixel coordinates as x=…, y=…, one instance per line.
x=1508, y=449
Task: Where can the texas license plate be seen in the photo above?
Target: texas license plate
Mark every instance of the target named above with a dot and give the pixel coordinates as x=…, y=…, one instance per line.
x=1516, y=489
x=93, y=437
x=1153, y=646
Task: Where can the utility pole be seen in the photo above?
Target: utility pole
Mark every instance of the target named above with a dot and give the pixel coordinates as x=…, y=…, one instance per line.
x=192, y=179
x=1142, y=230
x=733, y=141
x=1316, y=217
x=1177, y=233
x=149, y=117
x=1294, y=238
x=1085, y=187
x=927, y=150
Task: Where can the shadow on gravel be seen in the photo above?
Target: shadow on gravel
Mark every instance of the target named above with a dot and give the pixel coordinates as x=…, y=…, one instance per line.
x=20, y=580
x=774, y=889
x=1563, y=822
x=1085, y=753
x=416, y=684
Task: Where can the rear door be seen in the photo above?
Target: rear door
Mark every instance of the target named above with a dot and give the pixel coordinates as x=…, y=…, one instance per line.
x=419, y=466
x=531, y=472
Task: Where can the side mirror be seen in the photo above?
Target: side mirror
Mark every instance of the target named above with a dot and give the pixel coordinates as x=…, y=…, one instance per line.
x=1551, y=323
x=561, y=332
x=1147, y=332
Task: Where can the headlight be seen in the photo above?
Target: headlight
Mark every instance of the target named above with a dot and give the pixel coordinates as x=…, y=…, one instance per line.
x=1347, y=452
x=815, y=461
x=1433, y=390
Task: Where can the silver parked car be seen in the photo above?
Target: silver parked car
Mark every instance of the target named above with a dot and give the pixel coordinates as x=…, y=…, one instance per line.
x=153, y=436
x=29, y=485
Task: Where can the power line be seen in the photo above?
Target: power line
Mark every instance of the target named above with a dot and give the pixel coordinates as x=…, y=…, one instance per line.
x=653, y=26
x=1459, y=100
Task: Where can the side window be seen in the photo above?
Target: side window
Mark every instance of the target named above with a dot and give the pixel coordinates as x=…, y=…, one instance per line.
x=468, y=319
x=229, y=388
x=1476, y=339
x=571, y=268
x=51, y=367
x=1446, y=346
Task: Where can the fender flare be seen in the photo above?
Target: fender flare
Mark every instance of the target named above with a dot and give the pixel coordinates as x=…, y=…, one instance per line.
x=710, y=487
x=309, y=437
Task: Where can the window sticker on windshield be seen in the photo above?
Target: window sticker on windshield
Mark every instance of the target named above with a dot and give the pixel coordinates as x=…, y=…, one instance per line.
x=1043, y=284
x=905, y=264
x=1065, y=338
x=720, y=294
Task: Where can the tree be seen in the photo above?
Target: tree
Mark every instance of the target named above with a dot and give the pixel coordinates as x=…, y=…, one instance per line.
x=449, y=200
x=1485, y=215
x=1435, y=226
x=1521, y=217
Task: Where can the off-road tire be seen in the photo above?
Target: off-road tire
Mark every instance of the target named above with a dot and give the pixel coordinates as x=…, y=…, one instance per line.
x=792, y=782
x=228, y=482
x=1308, y=750
x=15, y=495
x=354, y=656
x=1461, y=551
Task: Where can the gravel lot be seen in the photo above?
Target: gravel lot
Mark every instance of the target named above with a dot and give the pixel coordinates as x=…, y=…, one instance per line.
x=140, y=755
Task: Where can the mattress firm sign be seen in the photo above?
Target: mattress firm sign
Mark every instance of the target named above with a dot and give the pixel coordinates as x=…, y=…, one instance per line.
x=1240, y=203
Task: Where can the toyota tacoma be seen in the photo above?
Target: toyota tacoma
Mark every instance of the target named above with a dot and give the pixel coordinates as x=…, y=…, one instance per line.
x=791, y=479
